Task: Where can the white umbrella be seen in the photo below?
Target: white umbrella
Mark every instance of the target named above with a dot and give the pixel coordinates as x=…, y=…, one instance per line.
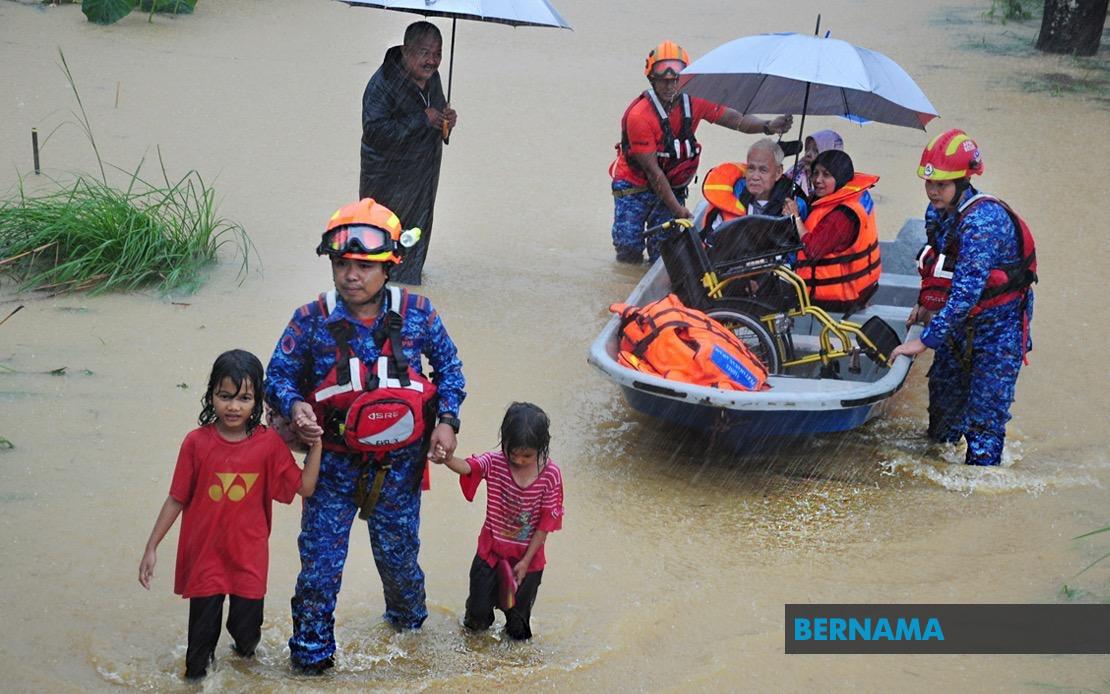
x=515, y=13
x=795, y=73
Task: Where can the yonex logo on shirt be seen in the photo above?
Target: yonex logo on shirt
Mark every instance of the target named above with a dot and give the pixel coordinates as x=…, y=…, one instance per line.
x=228, y=485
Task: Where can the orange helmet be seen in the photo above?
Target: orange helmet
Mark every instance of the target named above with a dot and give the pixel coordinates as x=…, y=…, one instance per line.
x=950, y=156
x=668, y=50
x=365, y=230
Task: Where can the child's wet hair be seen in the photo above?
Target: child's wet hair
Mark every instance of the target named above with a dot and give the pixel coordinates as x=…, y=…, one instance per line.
x=239, y=366
x=526, y=426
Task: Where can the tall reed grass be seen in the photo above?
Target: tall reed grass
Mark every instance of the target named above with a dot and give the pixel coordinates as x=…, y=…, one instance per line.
x=93, y=236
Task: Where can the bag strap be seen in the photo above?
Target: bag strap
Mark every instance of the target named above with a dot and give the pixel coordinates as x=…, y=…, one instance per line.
x=368, y=498
x=342, y=333
x=389, y=333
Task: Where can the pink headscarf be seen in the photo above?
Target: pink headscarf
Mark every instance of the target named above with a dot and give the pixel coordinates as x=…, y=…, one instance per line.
x=824, y=140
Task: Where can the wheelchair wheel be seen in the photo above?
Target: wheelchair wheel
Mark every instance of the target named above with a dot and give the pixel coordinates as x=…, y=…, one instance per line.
x=752, y=333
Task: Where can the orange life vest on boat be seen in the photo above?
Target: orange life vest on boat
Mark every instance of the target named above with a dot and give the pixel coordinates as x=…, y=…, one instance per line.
x=669, y=340
x=842, y=277
x=1004, y=283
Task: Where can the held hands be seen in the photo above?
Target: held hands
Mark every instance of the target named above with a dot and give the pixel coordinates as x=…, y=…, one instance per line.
x=447, y=118
x=789, y=208
x=146, y=568
x=303, y=421
x=442, y=444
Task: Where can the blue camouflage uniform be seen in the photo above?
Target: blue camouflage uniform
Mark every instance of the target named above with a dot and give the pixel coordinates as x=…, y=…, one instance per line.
x=970, y=392
x=303, y=357
x=635, y=212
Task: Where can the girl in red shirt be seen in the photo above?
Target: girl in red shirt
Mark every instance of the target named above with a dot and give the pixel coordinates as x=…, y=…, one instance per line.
x=524, y=502
x=228, y=472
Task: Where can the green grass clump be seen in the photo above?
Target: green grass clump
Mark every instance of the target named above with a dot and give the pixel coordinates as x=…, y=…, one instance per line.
x=1010, y=10
x=91, y=236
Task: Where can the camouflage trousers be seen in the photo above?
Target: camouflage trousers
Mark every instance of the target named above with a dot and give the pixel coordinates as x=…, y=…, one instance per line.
x=325, y=530
x=970, y=390
x=632, y=214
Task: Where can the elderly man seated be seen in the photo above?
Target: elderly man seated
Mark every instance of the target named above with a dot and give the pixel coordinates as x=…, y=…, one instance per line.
x=756, y=186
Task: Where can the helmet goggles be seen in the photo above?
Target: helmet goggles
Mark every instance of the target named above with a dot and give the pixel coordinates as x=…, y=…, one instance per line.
x=360, y=242
x=668, y=74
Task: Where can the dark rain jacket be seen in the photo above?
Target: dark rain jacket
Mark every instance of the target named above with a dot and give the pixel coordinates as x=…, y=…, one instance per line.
x=400, y=153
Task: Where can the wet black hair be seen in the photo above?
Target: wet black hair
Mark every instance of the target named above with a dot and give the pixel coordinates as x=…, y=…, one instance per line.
x=837, y=163
x=526, y=426
x=962, y=184
x=240, y=366
x=418, y=30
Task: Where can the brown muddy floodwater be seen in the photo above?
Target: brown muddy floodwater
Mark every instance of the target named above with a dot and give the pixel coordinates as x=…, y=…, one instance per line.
x=675, y=561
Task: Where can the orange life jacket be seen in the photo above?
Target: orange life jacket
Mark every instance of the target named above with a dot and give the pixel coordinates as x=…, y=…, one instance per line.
x=719, y=189
x=842, y=277
x=678, y=156
x=669, y=340
x=1004, y=283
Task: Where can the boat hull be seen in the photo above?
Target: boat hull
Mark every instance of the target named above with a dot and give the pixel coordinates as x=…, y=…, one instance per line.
x=798, y=404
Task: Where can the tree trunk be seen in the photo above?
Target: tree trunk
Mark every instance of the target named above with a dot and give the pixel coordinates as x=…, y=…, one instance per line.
x=1072, y=26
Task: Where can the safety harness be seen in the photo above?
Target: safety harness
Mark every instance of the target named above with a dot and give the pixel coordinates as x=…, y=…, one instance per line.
x=1005, y=283
x=374, y=411
x=680, y=155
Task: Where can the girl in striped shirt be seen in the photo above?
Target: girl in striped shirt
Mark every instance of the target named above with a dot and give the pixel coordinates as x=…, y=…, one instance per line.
x=524, y=502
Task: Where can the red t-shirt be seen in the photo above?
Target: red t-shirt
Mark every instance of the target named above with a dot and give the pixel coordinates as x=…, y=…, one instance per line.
x=227, y=488
x=645, y=134
x=514, y=513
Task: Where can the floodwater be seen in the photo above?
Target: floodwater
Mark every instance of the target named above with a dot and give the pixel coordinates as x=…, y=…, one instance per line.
x=676, y=561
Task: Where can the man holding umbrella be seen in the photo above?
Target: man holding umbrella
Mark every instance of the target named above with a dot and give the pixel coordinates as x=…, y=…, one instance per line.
x=405, y=122
x=658, y=153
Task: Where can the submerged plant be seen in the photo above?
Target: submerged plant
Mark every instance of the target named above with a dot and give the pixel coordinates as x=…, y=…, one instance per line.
x=92, y=236
x=1100, y=559
x=1008, y=11
x=111, y=11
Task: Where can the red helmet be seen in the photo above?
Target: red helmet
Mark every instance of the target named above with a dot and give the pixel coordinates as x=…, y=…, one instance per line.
x=668, y=50
x=950, y=156
x=365, y=230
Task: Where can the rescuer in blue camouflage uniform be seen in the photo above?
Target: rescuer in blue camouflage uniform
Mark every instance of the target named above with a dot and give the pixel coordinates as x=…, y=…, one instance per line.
x=977, y=269
x=362, y=240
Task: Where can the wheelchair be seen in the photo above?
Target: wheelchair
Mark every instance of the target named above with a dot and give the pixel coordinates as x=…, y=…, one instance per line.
x=742, y=278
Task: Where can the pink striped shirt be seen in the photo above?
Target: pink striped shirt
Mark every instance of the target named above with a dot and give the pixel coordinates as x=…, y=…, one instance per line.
x=514, y=513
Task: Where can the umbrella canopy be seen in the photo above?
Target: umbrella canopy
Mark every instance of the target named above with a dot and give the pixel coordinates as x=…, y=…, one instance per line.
x=794, y=73
x=538, y=13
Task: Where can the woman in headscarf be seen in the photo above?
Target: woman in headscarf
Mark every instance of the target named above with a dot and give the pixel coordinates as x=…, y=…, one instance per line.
x=840, y=263
x=820, y=141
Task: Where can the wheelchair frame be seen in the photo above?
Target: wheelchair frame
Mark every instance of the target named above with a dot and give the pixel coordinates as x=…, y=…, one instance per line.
x=691, y=262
